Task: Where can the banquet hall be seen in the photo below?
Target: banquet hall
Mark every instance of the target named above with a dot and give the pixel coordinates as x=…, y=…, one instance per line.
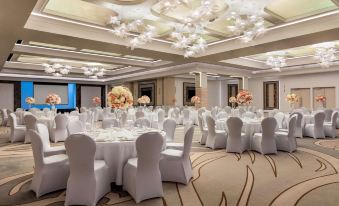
x=169, y=102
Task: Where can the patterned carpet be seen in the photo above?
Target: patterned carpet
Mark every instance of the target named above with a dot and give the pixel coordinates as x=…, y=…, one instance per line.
x=307, y=177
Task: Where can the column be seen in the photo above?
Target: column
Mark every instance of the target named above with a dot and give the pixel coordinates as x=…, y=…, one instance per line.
x=201, y=89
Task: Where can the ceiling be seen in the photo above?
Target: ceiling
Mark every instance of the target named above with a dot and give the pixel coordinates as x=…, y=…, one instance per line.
x=76, y=33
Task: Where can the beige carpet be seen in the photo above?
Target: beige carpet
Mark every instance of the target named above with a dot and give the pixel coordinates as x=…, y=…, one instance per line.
x=306, y=177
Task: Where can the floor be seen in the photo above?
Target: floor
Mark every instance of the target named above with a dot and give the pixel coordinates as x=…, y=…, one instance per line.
x=308, y=176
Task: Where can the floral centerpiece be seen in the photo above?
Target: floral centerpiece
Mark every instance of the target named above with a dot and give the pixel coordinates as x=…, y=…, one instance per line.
x=96, y=101
x=120, y=98
x=195, y=100
x=53, y=99
x=321, y=99
x=30, y=101
x=233, y=101
x=292, y=99
x=244, y=98
x=144, y=100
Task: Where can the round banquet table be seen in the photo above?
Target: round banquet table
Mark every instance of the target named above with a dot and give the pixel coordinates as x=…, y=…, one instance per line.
x=116, y=146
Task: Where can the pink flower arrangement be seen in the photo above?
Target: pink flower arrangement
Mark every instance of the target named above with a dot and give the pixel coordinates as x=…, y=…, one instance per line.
x=232, y=100
x=96, y=101
x=30, y=100
x=53, y=99
x=144, y=100
x=244, y=97
x=195, y=100
x=292, y=98
x=120, y=98
x=320, y=98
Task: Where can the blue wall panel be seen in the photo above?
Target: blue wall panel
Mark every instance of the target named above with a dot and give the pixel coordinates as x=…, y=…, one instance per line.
x=27, y=90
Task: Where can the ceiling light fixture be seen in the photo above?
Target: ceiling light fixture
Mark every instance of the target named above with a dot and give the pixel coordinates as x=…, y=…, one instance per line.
x=325, y=53
x=93, y=72
x=57, y=69
x=276, y=61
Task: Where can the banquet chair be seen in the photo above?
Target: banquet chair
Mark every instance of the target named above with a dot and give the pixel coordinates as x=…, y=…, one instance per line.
x=228, y=110
x=260, y=113
x=216, y=139
x=186, y=116
x=305, y=110
x=142, y=177
x=265, y=142
x=8, y=111
x=249, y=115
x=236, y=140
x=176, y=115
x=83, y=117
x=175, y=165
x=316, y=130
x=76, y=126
x=328, y=115
x=203, y=130
x=139, y=114
x=89, y=179
x=74, y=113
x=169, y=128
x=50, y=173
x=142, y=122
x=47, y=149
x=110, y=122
x=4, y=117
x=298, y=125
x=30, y=121
x=330, y=127
x=17, y=132
x=286, y=141
x=161, y=119
x=60, y=133
x=280, y=118
x=222, y=115
x=83, y=109
x=179, y=145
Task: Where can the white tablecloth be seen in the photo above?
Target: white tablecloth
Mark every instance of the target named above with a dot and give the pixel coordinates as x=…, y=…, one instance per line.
x=116, y=146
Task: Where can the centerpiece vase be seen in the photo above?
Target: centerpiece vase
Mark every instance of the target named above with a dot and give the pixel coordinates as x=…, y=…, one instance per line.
x=291, y=107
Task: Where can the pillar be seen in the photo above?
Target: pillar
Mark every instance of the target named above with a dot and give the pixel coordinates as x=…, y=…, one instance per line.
x=201, y=89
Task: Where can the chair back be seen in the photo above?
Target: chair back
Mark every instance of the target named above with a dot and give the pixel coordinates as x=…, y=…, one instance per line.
x=186, y=113
x=319, y=119
x=30, y=122
x=249, y=115
x=268, y=125
x=279, y=117
x=80, y=149
x=188, y=141
x=44, y=135
x=210, y=125
x=143, y=122
x=161, y=115
x=83, y=109
x=74, y=113
x=83, y=117
x=169, y=128
x=334, y=118
x=299, y=116
x=61, y=121
x=200, y=123
x=139, y=114
x=292, y=126
x=148, y=147
x=110, y=122
x=222, y=115
x=234, y=126
x=12, y=121
x=37, y=148
x=228, y=110
x=76, y=126
x=328, y=115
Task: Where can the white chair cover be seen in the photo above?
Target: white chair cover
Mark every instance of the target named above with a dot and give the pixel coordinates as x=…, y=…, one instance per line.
x=175, y=166
x=142, y=122
x=328, y=115
x=186, y=116
x=4, y=117
x=286, y=141
x=215, y=139
x=139, y=114
x=50, y=173
x=89, y=179
x=110, y=122
x=316, y=130
x=76, y=126
x=203, y=131
x=142, y=178
x=169, y=128
x=44, y=135
x=8, y=111
x=236, y=140
x=30, y=122
x=60, y=133
x=161, y=119
x=279, y=117
x=330, y=127
x=265, y=142
x=17, y=132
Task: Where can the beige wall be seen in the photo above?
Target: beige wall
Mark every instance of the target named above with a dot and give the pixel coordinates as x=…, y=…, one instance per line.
x=286, y=83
